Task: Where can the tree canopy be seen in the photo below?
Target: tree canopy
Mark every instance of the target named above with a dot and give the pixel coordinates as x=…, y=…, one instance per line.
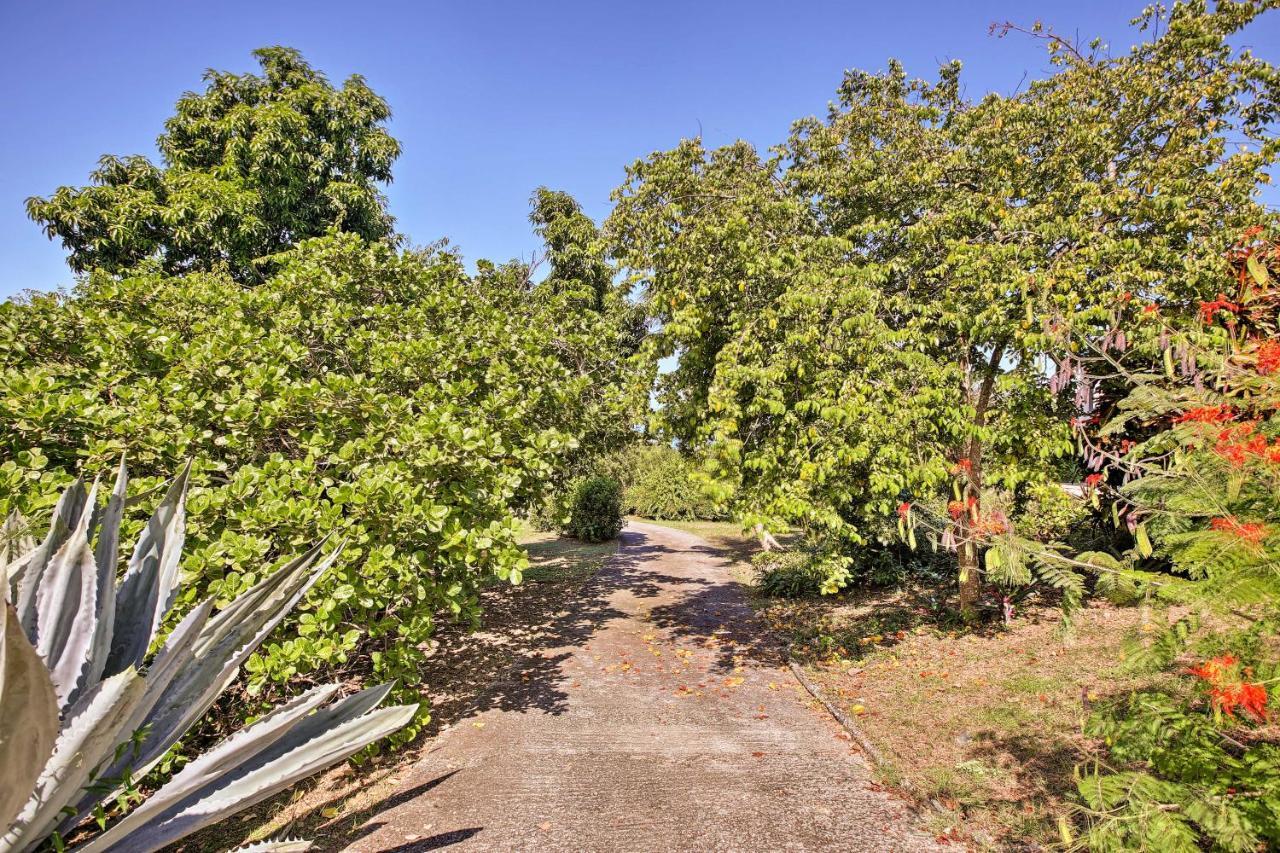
x=249, y=167
x=872, y=312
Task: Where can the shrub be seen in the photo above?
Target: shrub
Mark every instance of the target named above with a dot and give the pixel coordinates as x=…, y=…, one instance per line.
x=595, y=511
x=1194, y=762
x=812, y=569
x=88, y=712
x=384, y=397
x=1049, y=513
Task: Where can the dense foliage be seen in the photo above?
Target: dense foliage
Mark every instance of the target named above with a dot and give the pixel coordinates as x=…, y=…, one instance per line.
x=382, y=396
x=1197, y=446
x=251, y=166
x=870, y=314
x=659, y=482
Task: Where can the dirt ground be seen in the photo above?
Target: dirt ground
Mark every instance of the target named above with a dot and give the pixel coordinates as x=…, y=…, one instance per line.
x=982, y=727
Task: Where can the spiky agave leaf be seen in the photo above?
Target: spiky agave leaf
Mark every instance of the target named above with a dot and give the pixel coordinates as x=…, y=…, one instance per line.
x=284, y=747
x=74, y=607
x=276, y=845
x=106, y=555
x=91, y=729
x=67, y=609
x=15, y=542
x=150, y=584
x=26, y=572
x=173, y=658
x=224, y=643
x=28, y=716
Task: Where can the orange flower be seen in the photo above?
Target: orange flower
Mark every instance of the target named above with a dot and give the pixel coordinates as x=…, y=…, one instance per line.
x=1269, y=357
x=1207, y=415
x=1209, y=310
x=1250, y=531
x=1213, y=669
x=1249, y=697
x=1236, y=444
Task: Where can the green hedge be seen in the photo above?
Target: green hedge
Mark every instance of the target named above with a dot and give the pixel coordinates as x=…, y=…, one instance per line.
x=383, y=397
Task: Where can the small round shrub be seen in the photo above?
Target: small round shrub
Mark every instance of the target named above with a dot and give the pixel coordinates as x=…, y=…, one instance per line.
x=595, y=509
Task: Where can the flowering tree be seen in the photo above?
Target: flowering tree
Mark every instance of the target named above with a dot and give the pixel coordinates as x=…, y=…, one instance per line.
x=874, y=313
x=1190, y=459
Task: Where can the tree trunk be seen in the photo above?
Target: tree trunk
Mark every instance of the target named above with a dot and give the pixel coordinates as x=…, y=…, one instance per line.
x=970, y=574
x=967, y=555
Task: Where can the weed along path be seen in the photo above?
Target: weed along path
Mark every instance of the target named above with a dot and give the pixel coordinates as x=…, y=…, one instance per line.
x=658, y=717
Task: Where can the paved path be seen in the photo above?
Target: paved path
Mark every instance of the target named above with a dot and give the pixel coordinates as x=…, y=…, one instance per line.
x=658, y=718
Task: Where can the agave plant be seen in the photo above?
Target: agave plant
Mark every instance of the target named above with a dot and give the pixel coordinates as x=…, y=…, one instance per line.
x=87, y=708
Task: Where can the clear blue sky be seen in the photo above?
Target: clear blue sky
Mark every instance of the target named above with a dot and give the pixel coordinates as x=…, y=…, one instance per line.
x=490, y=100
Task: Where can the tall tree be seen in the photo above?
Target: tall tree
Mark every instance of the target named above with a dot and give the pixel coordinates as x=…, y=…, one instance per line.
x=249, y=167
x=572, y=240
x=874, y=312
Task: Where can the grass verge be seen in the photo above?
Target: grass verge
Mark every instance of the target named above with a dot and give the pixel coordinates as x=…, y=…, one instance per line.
x=983, y=726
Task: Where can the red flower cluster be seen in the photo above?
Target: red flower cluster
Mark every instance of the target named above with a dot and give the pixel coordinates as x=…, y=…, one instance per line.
x=1239, y=444
x=1206, y=415
x=1209, y=310
x=991, y=525
x=956, y=509
x=903, y=509
x=1092, y=481
x=1269, y=357
x=1248, y=531
x=965, y=465
x=1227, y=691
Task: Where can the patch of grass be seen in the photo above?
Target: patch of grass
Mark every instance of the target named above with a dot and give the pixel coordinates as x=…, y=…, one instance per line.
x=559, y=559
x=1029, y=682
x=982, y=725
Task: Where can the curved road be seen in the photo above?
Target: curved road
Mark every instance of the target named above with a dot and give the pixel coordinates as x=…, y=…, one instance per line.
x=659, y=718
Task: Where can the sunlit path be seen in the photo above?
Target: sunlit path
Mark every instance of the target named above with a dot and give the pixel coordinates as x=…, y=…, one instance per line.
x=664, y=720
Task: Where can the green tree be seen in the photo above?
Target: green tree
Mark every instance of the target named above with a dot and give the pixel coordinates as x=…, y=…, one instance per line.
x=874, y=313
x=249, y=167
x=573, y=247
x=383, y=397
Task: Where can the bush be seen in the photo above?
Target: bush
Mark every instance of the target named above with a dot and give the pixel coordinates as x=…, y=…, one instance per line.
x=1193, y=763
x=381, y=397
x=595, y=511
x=1049, y=513
x=812, y=569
